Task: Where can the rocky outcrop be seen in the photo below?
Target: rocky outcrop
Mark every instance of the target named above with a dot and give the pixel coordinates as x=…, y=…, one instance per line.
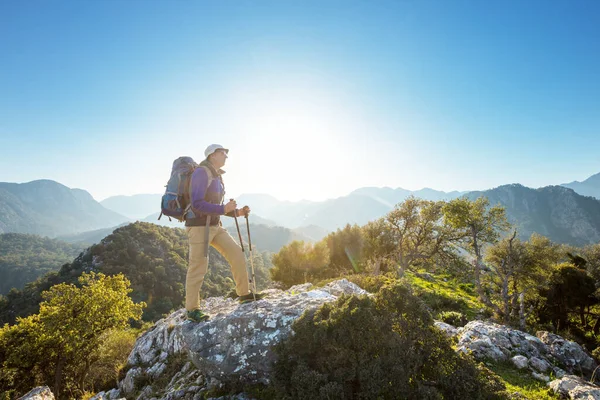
x=543, y=355
x=39, y=393
x=179, y=359
x=574, y=388
x=233, y=346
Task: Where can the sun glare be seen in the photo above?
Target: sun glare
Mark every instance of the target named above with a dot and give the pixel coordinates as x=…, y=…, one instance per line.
x=295, y=140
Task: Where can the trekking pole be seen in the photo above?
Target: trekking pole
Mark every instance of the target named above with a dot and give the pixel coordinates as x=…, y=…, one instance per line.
x=238, y=229
x=251, y=259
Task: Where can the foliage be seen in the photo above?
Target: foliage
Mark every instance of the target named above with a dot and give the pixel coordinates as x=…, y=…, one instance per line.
x=372, y=283
x=570, y=290
x=453, y=318
x=476, y=224
x=115, y=346
x=59, y=346
x=368, y=348
x=23, y=258
x=412, y=235
x=446, y=294
x=152, y=257
x=300, y=262
x=518, y=382
x=345, y=249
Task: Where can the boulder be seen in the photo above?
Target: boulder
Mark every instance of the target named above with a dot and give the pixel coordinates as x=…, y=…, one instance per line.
x=38, y=393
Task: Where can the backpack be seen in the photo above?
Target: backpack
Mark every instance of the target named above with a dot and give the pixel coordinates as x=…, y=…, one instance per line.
x=176, y=200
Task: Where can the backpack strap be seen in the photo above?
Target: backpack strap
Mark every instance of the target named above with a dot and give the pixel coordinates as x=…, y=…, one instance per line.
x=210, y=180
x=209, y=174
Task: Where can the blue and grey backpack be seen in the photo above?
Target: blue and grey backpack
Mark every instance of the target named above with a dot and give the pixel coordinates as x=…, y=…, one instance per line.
x=176, y=200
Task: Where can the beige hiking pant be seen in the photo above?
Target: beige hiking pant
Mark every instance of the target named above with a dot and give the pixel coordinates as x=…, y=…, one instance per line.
x=222, y=241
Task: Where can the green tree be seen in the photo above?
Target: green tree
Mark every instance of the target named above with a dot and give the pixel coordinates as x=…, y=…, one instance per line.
x=570, y=290
x=379, y=245
x=345, y=249
x=60, y=343
x=412, y=234
x=478, y=225
x=508, y=262
x=300, y=262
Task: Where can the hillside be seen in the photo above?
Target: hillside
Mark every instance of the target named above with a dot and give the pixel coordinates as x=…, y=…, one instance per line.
x=24, y=258
x=48, y=208
x=556, y=212
x=152, y=257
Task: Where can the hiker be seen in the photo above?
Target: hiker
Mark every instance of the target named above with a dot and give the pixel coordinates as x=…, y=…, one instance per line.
x=203, y=227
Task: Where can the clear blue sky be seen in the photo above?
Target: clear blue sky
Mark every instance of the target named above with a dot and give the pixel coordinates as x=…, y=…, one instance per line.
x=314, y=99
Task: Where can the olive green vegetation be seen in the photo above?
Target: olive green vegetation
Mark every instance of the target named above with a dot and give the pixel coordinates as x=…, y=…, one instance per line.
x=465, y=262
x=152, y=257
x=525, y=384
x=77, y=341
x=376, y=348
x=24, y=258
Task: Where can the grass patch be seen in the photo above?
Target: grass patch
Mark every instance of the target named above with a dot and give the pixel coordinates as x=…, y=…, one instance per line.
x=446, y=294
x=522, y=382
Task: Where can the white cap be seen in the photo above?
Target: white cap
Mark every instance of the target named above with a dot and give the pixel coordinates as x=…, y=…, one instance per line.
x=212, y=148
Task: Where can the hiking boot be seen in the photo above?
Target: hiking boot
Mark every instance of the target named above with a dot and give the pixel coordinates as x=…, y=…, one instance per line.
x=197, y=316
x=250, y=297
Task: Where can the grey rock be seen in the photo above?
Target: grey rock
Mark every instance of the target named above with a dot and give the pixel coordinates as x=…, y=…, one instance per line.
x=113, y=394
x=573, y=387
x=146, y=393
x=235, y=343
x=539, y=364
x=156, y=370
x=540, y=377
x=519, y=361
x=127, y=385
x=449, y=330
x=38, y=393
x=571, y=355
x=558, y=372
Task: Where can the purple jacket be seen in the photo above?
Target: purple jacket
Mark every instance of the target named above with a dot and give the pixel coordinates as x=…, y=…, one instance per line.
x=206, y=200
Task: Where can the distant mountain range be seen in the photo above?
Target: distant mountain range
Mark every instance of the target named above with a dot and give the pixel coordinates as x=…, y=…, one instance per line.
x=556, y=212
x=589, y=187
x=138, y=206
x=48, y=208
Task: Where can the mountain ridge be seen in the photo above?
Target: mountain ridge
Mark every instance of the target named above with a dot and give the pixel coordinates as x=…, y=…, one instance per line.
x=49, y=208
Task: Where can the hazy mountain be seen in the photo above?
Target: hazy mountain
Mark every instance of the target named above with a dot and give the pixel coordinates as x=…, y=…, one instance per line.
x=359, y=207
x=313, y=233
x=395, y=196
x=48, y=208
x=269, y=238
x=138, y=206
x=556, y=212
x=227, y=221
x=266, y=235
x=589, y=187
x=90, y=237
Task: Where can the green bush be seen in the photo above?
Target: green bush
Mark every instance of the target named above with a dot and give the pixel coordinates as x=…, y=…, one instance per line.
x=453, y=318
x=371, y=283
x=381, y=347
x=439, y=302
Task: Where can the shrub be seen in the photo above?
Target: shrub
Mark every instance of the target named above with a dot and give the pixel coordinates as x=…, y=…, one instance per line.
x=453, y=318
x=371, y=283
x=375, y=347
